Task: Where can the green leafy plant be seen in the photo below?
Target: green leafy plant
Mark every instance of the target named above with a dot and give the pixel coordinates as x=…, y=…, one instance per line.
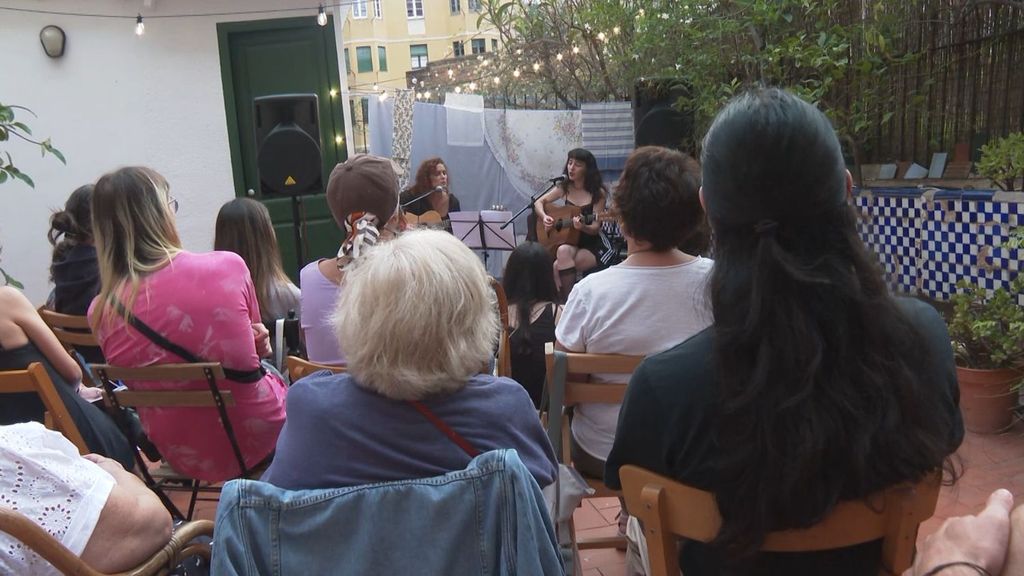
x=988, y=330
x=10, y=126
x=1002, y=160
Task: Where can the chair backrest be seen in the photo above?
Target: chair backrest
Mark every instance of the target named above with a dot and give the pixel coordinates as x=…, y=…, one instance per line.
x=669, y=510
x=300, y=367
x=35, y=379
x=179, y=547
x=504, y=364
x=70, y=330
x=568, y=385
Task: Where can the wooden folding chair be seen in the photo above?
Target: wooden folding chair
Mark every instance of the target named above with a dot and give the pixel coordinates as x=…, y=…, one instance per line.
x=214, y=397
x=504, y=361
x=669, y=510
x=568, y=386
x=180, y=547
x=35, y=379
x=299, y=368
x=72, y=331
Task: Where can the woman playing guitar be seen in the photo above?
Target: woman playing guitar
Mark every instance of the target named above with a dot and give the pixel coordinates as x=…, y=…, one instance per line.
x=584, y=190
x=432, y=180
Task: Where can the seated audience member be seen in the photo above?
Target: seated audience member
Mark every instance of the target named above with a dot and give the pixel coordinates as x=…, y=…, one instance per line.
x=813, y=385
x=24, y=339
x=363, y=197
x=243, y=227
x=95, y=508
x=651, y=301
x=987, y=544
x=532, y=312
x=204, y=303
x=74, y=269
x=416, y=318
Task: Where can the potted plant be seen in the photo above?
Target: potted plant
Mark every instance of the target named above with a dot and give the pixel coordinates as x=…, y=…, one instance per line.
x=1002, y=160
x=988, y=337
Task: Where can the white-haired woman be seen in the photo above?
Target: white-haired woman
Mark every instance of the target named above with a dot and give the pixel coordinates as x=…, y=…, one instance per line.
x=203, y=303
x=414, y=402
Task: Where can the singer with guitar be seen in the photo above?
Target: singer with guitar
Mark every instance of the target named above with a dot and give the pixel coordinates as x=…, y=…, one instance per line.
x=428, y=201
x=582, y=195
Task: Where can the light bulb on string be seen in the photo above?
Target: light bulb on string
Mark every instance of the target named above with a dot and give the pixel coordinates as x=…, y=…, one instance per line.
x=472, y=85
x=140, y=28
x=601, y=36
x=616, y=30
x=575, y=49
x=458, y=89
x=558, y=56
x=321, y=16
x=536, y=66
x=426, y=95
x=383, y=95
x=516, y=72
x=497, y=79
x=375, y=87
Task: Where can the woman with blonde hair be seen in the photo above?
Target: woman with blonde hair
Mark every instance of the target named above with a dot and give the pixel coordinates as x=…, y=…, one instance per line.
x=203, y=303
x=244, y=227
x=414, y=402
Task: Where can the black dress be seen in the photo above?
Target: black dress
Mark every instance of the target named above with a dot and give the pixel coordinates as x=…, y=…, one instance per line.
x=76, y=281
x=100, y=433
x=528, y=357
x=598, y=244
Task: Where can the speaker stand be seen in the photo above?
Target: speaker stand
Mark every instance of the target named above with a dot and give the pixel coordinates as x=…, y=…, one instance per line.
x=300, y=258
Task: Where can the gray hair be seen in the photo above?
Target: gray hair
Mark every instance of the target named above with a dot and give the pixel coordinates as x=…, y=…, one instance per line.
x=416, y=316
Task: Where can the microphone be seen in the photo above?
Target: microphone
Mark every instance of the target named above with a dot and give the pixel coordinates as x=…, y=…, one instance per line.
x=557, y=179
x=424, y=195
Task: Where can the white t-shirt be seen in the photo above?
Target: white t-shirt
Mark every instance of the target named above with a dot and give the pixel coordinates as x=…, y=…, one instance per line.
x=636, y=310
x=43, y=477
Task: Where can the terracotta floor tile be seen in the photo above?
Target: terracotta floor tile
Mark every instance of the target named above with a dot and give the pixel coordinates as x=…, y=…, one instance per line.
x=592, y=572
x=602, y=503
x=619, y=570
x=586, y=517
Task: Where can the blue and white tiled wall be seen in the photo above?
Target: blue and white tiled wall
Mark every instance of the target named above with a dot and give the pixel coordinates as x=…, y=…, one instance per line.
x=929, y=239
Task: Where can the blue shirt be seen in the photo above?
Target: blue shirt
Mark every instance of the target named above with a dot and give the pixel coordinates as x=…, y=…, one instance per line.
x=338, y=433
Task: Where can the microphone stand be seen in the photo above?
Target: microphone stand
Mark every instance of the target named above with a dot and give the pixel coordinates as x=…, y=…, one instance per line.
x=547, y=186
x=422, y=196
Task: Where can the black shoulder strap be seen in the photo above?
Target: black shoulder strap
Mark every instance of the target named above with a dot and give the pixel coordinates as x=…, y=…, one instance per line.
x=242, y=376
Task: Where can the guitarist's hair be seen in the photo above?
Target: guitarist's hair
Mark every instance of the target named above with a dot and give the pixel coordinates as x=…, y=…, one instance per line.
x=528, y=280
x=592, y=180
x=423, y=174
x=658, y=200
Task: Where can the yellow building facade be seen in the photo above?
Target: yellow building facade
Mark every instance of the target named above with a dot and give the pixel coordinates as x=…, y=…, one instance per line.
x=384, y=39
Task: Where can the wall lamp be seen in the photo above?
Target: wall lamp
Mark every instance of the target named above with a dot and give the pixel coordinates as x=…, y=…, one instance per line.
x=53, y=40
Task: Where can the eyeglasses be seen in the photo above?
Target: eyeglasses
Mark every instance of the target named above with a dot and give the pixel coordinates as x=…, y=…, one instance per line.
x=172, y=202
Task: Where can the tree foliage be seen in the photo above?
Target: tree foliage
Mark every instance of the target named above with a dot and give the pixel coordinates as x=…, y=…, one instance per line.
x=835, y=53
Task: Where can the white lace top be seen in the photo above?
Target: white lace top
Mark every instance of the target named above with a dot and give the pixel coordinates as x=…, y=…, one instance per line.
x=43, y=477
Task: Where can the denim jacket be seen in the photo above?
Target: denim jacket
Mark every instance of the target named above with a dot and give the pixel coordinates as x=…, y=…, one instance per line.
x=488, y=519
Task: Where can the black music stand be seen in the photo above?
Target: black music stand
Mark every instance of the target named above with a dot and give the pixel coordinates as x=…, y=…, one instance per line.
x=483, y=230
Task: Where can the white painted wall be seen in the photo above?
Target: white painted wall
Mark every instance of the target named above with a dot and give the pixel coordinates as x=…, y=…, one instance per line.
x=117, y=99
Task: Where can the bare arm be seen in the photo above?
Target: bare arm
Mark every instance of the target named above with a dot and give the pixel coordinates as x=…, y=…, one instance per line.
x=25, y=316
x=132, y=526
x=554, y=193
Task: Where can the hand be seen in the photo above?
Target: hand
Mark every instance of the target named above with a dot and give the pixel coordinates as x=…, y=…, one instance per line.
x=548, y=222
x=261, y=336
x=981, y=539
x=90, y=394
x=577, y=222
x=112, y=467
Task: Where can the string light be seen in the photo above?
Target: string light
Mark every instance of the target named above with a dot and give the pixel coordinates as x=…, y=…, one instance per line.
x=616, y=30
x=458, y=89
x=519, y=51
x=575, y=49
x=558, y=56
x=427, y=94
x=516, y=72
x=321, y=16
x=140, y=28
x=497, y=79
x=375, y=87
x=472, y=85
x=338, y=139
x=333, y=92
x=536, y=66
x=602, y=37
x=383, y=95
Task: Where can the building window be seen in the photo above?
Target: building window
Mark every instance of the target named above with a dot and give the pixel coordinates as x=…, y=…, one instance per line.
x=414, y=8
x=459, y=48
x=494, y=45
x=382, y=58
x=474, y=5
x=359, y=9
x=455, y=6
x=348, y=63
x=418, y=52
x=479, y=45
x=364, y=62
x=376, y=9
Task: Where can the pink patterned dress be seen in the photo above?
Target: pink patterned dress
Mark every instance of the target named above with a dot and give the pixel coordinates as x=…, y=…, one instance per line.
x=206, y=304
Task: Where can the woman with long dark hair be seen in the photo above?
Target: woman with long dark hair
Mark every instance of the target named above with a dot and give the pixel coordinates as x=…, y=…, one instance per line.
x=244, y=227
x=73, y=267
x=814, y=384
x=532, y=312
x=583, y=188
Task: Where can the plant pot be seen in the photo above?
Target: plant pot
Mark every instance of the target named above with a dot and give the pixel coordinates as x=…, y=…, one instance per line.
x=987, y=398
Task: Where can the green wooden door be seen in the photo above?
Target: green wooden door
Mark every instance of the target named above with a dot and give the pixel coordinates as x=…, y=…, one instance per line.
x=284, y=56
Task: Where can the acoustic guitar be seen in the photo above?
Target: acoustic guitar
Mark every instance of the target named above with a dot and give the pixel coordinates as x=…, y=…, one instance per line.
x=429, y=219
x=562, y=231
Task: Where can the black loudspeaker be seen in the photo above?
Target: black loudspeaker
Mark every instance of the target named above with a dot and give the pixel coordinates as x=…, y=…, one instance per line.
x=287, y=131
x=656, y=120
